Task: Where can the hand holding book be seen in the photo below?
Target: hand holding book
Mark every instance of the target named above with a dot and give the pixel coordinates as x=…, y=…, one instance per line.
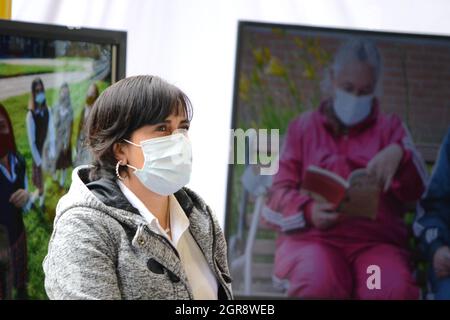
x=322, y=216
x=358, y=196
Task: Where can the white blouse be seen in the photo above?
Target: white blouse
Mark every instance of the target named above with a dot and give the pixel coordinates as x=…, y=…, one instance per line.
x=201, y=279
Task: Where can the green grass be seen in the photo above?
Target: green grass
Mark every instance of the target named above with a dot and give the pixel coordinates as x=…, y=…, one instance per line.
x=38, y=224
x=38, y=229
x=14, y=70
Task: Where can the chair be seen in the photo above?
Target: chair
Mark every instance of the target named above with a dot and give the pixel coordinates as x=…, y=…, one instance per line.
x=253, y=248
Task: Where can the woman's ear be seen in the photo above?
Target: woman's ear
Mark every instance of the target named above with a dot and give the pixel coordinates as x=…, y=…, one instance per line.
x=120, y=152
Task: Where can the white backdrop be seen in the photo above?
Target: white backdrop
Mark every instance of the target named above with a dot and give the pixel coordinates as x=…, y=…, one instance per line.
x=192, y=44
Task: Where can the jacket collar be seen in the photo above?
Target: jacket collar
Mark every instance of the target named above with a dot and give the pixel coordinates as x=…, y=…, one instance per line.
x=108, y=192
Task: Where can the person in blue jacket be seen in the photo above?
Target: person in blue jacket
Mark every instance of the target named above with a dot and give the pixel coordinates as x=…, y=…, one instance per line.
x=433, y=226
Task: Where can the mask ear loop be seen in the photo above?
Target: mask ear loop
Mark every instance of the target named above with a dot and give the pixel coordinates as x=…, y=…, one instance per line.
x=131, y=142
x=128, y=165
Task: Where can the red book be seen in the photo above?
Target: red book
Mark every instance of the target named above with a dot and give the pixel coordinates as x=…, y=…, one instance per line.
x=357, y=196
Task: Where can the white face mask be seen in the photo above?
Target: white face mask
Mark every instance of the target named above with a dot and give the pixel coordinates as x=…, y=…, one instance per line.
x=167, y=163
x=351, y=109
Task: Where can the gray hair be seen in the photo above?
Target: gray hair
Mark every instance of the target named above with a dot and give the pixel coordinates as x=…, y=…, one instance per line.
x=355, y=50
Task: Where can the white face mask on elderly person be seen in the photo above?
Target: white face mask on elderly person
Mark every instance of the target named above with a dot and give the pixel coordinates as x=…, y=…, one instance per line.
x=351, y=109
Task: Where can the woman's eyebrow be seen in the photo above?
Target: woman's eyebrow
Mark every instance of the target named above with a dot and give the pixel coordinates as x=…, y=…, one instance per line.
x=169, y=121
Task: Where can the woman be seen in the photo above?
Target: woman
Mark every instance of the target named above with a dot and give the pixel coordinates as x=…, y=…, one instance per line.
x=128, y=228
x=14, y=199
x=83, y=155
x=63, y=121
x=325, y=254
x=38, y=126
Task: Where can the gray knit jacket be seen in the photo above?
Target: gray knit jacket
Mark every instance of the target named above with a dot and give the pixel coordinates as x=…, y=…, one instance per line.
x=102, y=248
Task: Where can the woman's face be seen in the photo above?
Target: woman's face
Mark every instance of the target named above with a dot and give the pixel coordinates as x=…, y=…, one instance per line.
x=356, y=78
x=4, y=128
x=38, y=89
x=134, y=155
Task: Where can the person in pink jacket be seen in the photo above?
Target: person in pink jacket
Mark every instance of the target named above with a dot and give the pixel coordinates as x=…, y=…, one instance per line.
x=324, y=254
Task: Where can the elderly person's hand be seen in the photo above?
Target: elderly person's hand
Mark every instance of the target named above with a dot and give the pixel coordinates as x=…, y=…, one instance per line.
x=384, y=165
x=322, y=216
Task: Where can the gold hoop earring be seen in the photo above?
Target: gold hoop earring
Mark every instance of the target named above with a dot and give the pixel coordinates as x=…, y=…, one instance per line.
x=117, y=170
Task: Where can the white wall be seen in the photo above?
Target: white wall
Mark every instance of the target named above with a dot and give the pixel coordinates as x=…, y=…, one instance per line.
x=192, y=44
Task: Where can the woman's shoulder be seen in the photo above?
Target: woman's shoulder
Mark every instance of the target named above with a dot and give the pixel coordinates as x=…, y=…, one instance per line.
x=304, y=122
x=391, y=118
x=88, y=223
x=389, y=123
x=86, y=231
x=80, y=215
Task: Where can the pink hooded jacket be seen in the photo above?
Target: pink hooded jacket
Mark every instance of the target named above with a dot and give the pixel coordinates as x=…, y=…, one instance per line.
x=310, y=140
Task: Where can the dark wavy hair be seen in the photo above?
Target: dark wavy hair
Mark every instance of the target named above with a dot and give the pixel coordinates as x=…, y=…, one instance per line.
x=125, y=107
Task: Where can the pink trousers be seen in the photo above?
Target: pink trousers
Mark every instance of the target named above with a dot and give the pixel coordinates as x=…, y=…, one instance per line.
x=320, y=270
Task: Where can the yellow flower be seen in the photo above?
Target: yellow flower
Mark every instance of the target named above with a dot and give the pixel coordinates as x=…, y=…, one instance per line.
x=255, y=78
x=259, y=57
x=276, y=68
x=309, y=72
x=266, y=54
x=244, y=87
x=313, y=47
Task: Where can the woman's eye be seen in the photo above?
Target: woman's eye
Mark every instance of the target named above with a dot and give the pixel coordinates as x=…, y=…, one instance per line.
x=185, y=128
x=161, y=128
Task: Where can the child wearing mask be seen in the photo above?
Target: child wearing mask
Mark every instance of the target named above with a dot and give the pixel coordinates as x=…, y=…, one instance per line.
x=38, y=127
